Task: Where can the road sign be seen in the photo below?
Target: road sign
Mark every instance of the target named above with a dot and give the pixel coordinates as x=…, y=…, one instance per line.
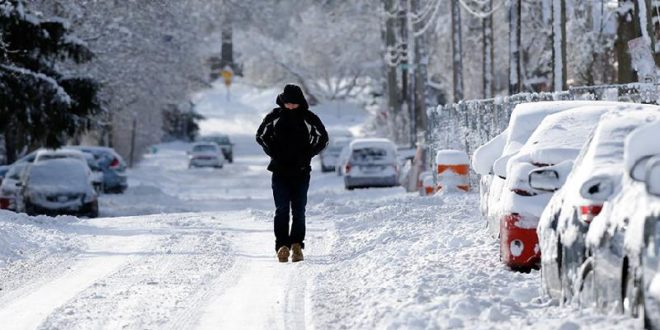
x=227, y=75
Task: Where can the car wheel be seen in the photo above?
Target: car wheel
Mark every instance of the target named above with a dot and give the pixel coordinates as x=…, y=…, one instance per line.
x=93, y=208
x=29, y=208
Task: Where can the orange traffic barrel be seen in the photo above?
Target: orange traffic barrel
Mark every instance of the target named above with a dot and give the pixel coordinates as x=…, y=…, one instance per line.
x=453, y=168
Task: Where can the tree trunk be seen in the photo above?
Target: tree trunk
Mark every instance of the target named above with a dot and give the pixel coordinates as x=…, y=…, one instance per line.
x=559, y=45
x=457, y=52
x=487, y=52
x=515, y=63
x=625, y=32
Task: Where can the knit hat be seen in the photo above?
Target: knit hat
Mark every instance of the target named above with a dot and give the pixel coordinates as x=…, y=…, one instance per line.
x=293, y=94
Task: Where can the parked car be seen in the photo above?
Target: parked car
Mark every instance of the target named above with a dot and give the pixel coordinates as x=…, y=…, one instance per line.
x=224, y=142
x=596, y=175
x=57, y=186
x=205, y=154
x=329, y=156
x=556, y=142
x=372, y=163
x=111, y=164
x=621, y=268
x=490, y=160
x=8, y=188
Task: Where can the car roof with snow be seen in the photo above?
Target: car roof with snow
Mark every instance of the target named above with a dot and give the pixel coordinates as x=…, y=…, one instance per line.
x=525, y=118
x=58, y=171
x=372, y=143
x=561, y=135
x=59, y=153
x=642, y=142
x=607, y=146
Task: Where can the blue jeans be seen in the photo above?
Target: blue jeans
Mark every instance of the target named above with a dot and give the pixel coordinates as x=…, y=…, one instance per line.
x=290, y=195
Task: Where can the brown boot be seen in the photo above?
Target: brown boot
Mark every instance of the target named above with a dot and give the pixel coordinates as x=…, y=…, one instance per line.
x=283, y=254
x=297, y=253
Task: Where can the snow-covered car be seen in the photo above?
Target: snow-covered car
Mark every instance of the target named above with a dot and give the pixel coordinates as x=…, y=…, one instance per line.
x=622, y=244
x=330, y=155
x=93, y=171
x=224, y=142
x=8, y=187
x=57, y=186
x=596, y=175
x=556, y=142
x=372, y=163
x=111, y=164
x=205, y=154
x=490, y=160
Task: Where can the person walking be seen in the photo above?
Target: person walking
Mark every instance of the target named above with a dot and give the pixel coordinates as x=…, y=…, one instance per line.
x=291, y=135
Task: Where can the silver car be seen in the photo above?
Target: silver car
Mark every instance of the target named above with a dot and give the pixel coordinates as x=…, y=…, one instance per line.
x=372, y=163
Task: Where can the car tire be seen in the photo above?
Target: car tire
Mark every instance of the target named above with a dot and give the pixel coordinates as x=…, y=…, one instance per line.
x=94, y=210
x=29, y=208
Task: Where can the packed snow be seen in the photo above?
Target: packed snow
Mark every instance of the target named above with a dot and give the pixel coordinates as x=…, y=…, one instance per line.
x=193, y=248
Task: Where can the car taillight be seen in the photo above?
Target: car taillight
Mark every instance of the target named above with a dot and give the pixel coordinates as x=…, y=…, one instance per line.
x=588, y=212
x=348, y=167
x=115, y=164
x=523, y=192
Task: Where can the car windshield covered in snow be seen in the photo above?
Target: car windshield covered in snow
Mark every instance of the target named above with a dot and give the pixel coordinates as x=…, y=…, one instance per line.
x=58, y=173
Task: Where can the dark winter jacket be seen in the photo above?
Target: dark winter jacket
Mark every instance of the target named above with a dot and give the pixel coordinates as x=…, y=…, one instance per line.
x=291, y=138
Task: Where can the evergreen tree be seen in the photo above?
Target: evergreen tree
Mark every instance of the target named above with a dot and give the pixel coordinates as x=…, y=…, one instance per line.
x=40, y=105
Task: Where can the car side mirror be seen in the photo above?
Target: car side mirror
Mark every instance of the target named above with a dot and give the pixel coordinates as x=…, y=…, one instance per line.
x=653, y=178
x=638, y=171
x=544, y=180
x=598, y=188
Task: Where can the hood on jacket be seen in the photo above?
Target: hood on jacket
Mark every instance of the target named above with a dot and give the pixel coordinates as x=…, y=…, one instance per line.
x=292, y=94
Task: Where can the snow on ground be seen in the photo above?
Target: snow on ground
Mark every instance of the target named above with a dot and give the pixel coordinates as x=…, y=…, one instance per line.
x=193, y=248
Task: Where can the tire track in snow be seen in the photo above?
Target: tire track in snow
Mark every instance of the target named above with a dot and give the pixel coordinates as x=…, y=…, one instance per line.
x=159, y=288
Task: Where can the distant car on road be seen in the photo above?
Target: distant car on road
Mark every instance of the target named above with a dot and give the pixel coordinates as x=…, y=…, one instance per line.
x=111, y=164
x=205, y=154
x=371, y=163
x=224, y=142
x=57, y=186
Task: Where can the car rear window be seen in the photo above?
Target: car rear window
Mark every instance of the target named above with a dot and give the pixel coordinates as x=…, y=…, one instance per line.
x=57, y=173
x=203, y=148
x=369, y=155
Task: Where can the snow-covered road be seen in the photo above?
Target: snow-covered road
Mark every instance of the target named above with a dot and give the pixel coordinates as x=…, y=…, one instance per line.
x=186, y=249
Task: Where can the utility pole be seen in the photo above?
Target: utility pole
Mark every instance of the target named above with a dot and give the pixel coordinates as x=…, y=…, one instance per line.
x=457, y=50
x=515, y=63
x=559, y=45
x=391, y=62
x=487, y=51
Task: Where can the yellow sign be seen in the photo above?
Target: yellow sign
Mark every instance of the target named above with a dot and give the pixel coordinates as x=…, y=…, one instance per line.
x=227, y=75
